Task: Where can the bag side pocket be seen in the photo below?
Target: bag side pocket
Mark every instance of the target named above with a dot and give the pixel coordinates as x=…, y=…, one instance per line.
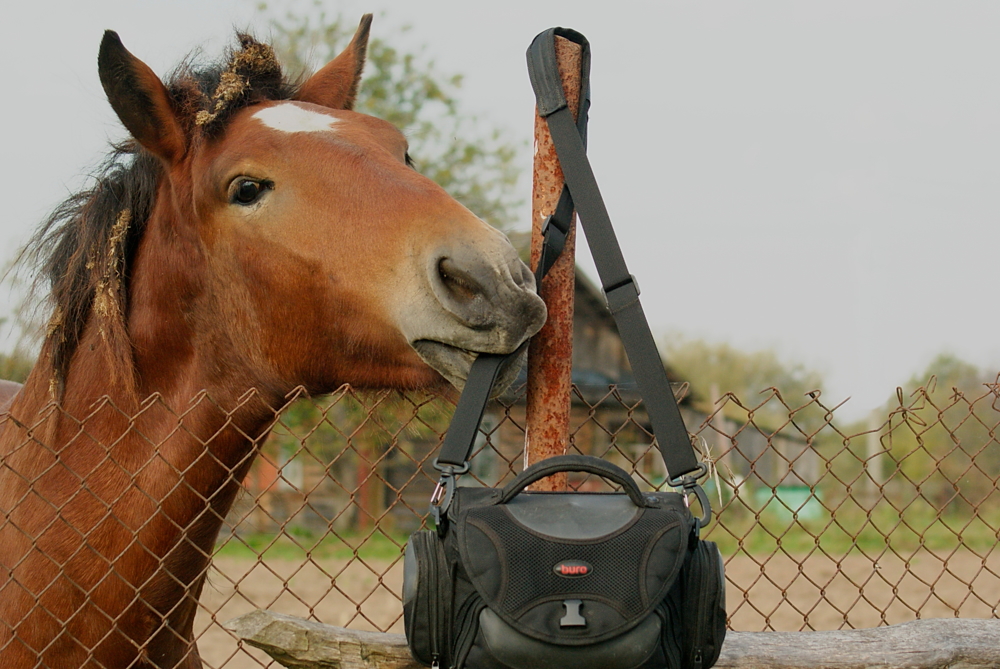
x=704, y=607
x=427, y=599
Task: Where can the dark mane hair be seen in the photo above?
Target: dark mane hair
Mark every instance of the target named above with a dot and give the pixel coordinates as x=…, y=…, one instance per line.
x=84, y=249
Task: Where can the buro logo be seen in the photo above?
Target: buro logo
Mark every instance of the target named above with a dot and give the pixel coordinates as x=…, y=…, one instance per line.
x=572, y=568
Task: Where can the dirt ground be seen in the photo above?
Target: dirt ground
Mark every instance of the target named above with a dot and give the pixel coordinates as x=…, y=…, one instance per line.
x=777, y=592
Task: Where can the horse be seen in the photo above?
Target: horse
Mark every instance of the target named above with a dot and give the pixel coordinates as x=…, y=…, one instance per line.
x=253, y=236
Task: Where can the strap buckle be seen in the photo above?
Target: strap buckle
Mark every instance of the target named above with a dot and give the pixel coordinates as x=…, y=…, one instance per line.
x=622, y=295
x=689, y=484
x=554, y=221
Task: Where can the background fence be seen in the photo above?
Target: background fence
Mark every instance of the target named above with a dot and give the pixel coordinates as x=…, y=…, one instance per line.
x=822, y=525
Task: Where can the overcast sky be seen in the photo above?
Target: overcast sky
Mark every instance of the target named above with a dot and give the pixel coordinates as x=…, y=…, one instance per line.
x=818, y=178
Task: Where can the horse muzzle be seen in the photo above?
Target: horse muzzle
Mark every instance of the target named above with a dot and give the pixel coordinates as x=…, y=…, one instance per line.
x=482, y=303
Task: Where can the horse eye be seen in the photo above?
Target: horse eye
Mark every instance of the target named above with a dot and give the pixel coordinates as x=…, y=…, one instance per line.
x=247, y=191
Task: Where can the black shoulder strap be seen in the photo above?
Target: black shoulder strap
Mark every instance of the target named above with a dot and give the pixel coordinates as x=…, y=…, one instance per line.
x=619, y=286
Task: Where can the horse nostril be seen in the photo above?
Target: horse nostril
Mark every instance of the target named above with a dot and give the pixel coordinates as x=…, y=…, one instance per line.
x=459, y=283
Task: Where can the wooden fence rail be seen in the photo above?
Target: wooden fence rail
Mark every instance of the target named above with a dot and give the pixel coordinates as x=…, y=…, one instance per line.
x=921, y=644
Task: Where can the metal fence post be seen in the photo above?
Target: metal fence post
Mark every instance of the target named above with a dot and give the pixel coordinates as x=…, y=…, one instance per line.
x=551, y=351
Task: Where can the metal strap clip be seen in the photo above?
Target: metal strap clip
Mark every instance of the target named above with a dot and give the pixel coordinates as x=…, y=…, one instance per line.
x=689, y=485
x=444, y=492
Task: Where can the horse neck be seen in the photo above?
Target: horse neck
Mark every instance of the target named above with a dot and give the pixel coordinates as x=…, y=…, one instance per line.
x=177, y=356
x=186, y=444
x=189, y=372
x=164, y=472
x=185, y=426
x=140, y=448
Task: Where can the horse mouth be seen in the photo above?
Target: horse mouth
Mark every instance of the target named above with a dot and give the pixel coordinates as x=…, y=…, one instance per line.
x=454, y=363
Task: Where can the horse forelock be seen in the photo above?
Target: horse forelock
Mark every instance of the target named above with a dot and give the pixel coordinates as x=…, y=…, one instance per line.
x=84, y=250
x=251, y=74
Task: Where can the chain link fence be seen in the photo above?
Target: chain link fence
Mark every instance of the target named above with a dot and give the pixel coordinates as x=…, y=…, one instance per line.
x=823, y=524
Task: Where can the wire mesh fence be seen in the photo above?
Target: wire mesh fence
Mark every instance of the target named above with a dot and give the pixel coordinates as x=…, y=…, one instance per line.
x=823, y=524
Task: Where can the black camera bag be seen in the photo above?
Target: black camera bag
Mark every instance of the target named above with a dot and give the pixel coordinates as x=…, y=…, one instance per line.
x=568, y=580
x=565, y=580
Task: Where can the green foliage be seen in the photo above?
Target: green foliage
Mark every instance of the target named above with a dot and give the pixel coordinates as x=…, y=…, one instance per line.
x=17, y=365
x=941, y=437
x=476, y=164
x=743, y=373
x=748, y=376
x=950, y=372
x=346, y=422
x=850, y=528
x=26, y=324
x=345, y=447
x=299, y=546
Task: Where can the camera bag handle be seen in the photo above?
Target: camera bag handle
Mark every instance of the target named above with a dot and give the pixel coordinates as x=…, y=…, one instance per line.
x=573, y=463
x=620, y=289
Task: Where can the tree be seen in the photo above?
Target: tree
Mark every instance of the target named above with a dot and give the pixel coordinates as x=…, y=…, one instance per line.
x=748, y=376
x=476, y=165
x=15, y=366
x=766, y=420
x=25, y=325
x=942, y=436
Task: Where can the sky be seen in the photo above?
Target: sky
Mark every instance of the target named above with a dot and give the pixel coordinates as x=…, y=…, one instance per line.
x=816, y=178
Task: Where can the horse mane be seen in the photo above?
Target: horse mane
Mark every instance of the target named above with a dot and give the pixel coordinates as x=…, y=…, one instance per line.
x=85, y=248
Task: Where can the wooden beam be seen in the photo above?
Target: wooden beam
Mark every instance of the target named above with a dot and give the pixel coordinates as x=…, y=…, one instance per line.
x=920, y=644
x=305, y=644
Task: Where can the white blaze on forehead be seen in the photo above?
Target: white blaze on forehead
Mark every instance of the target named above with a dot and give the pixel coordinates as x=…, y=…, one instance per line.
x=292, y=118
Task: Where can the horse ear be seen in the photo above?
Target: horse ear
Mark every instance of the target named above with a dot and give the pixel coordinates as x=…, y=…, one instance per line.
x=140, y=99
x=336, y=84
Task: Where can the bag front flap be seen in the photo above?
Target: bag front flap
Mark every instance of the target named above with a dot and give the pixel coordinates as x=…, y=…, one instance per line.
x=574, y=568
x=519, y=651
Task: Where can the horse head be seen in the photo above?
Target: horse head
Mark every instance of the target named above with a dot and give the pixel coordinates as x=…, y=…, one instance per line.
x=292, y=242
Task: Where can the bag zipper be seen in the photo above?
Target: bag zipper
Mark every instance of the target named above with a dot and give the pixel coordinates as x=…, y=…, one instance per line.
x=702, y=619
x=468, y=620
x=434, y=604
x=705, y=602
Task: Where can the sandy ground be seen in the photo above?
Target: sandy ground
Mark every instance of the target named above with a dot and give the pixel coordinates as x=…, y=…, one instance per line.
x=781, y=593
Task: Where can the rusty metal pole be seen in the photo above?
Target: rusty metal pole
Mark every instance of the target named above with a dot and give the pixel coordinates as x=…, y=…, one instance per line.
x=550, y=355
